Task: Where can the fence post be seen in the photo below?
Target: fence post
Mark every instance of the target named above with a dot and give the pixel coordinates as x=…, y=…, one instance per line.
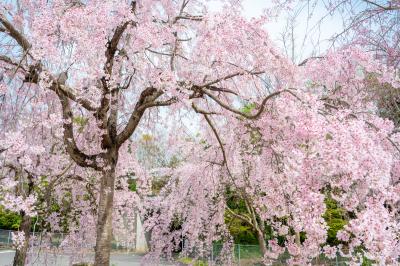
x=9, y=236
x=239, y=254
x=337, y=263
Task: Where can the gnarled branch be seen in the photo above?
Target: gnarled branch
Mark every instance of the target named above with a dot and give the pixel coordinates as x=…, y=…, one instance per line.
x=75, y=153
x=146, y=99
x=256, y=115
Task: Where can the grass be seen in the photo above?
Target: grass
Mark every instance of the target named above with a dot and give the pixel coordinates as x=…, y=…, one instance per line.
x=193, y=262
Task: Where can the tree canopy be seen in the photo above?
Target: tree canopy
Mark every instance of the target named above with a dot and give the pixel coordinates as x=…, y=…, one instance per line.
x=81, y=81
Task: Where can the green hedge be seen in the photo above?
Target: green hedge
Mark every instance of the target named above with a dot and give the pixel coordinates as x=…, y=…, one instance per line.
x=9, y=220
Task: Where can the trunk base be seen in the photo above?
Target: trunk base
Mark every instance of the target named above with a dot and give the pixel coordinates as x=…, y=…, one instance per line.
x=21, y=253
x=104, y=219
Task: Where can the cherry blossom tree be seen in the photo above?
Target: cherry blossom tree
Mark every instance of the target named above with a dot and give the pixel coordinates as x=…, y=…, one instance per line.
x=372, y=25
x=110, y=61
x=39, y=180
x=36, y=173
x=102, y=69
x=322, y=140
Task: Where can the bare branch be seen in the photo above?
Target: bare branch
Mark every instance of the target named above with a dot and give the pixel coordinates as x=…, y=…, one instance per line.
x=147, y=99
x=260, y=110
x=221, y=144
x=15, y=34
x=9, y=61
x=75, y=177
x=215, y=88
x=387, y=8
x=161, y=103
x=166, y=54
x=189, y=17
x=241, y=73
x=71, y=95
x=112, y=47
x=75, y=153
x=200, y=111
x=241, y=217
x=305, y=61
x=32, y=76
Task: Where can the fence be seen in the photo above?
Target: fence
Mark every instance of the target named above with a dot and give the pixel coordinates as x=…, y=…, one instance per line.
x=249, y=255
x=243, y=255
x=7, y=241
x=55, y=240
x=5, y=237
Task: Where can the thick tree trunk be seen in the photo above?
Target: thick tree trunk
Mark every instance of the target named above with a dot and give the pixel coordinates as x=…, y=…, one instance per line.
x=21, y=253
x=104, y=220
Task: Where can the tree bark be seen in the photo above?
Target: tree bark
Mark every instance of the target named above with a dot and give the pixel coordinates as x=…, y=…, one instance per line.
x=261, y=242
x=259, y=227
x=21, y=253
x=104, y=220
x=297, y=239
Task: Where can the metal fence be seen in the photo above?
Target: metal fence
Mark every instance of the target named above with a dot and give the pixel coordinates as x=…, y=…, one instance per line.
x=7, y=241
x=55, y=240
x=249, y=255
x=5, y=237
x=243, y=255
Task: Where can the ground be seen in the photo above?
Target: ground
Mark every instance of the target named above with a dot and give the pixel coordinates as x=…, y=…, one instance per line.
x=6, y=259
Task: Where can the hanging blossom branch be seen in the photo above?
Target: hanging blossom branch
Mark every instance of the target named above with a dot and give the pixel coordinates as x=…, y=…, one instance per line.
x=390, y=7
x=260, y=110
x=64, y=94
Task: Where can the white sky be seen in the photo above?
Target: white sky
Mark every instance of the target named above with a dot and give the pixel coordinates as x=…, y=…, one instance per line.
x=330, y=26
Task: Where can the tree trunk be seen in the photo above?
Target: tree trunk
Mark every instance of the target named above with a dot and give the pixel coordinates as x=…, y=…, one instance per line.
x=104, y=220
x=261, y=242
x=259, y=227
x=20, y=254
x=297, y=239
